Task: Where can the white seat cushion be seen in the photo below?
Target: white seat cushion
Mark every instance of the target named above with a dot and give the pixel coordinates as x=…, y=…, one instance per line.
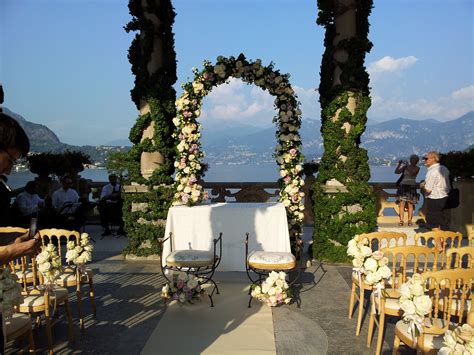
x=17, y=322
x=28, y=273
x=271, y=260
x=431, y=341
x=60, y=293
x=190, y=258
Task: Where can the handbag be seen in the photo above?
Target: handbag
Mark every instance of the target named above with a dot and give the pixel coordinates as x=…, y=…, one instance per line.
x=453, y=198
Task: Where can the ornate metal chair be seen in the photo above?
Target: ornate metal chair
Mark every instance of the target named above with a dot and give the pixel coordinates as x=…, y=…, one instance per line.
x=261, y=263
x=200, y=263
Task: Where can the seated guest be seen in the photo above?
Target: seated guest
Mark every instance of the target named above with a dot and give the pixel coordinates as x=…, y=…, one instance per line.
x=110, y=206
x=28, y=202
x=65, y=195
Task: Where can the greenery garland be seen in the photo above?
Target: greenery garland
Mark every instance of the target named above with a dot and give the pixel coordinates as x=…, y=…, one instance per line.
x=340, y=216
x=188, y=188
x=158, y=92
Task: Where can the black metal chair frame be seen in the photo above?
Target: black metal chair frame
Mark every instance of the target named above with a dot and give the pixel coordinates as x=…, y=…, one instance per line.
x=204, y=274
x=261, y=273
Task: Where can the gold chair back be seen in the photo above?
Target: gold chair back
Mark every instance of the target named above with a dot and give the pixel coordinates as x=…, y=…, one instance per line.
x=442, y=240
x=446, y=287
x=385, y=239
x=406, y=260
x=458, y=258
x=60, y=237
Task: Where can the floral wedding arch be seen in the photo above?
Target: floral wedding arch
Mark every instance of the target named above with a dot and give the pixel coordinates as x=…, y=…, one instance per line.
x=188, y=164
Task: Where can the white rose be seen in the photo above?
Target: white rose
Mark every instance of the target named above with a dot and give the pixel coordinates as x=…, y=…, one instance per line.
x=44, y=267
x=417, y=289
x=372, y=278
x=449, y=340
x=385, y=272
x=192, y=283
x=405, y=290
x=366, y=251
x=265, y=287
x=423, y=304
x=352, y=250
x=187, y=190
x=187, y=170
x=357, y=263
x=271, y=291
x=370, y=265
x=408, y=307
x=71, y=255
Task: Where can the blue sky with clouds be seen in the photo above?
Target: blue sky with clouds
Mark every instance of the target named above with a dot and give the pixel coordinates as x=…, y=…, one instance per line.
x=64, y=63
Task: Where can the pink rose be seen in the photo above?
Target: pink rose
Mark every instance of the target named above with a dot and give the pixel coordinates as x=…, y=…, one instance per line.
x=293, y=151
x=287, y=179
x=180, y=284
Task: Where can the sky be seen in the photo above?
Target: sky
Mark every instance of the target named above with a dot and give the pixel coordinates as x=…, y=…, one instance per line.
x=63, y=63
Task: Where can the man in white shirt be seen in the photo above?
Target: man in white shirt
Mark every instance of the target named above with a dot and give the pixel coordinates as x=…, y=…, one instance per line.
x=28, y=202
x=65, y=195
x=110, y=206
x=436, y=188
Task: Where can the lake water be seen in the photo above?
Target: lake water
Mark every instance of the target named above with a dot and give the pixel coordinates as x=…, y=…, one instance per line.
x=222, y=173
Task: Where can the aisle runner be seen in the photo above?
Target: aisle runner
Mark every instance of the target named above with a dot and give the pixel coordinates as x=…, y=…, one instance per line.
x=228, y=328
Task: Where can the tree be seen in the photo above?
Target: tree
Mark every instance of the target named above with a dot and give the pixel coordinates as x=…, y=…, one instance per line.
x=342, y=198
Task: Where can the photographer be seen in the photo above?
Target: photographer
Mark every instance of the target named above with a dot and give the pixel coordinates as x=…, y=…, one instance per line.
x=407, y=197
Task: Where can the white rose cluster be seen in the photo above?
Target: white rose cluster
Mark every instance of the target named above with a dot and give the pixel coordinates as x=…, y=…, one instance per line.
x=184, y=288
x=288, y=152
x=10, y=291
x=274, y=290
x=414, y=303
x=82, y=252
x=358, y=248
x=458, y=341
x=49, y=263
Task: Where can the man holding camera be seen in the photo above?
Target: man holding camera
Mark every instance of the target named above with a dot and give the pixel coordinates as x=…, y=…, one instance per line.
x=435, y=188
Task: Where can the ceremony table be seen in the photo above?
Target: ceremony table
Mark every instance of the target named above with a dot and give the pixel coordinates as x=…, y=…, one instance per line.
x=196, y=227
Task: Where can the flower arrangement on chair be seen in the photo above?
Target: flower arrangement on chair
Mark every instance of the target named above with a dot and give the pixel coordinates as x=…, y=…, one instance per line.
x=81, y=253
x=414, y=304
x=183, y=288
x=49, y=265
x=274, y=291
x=360, y=250
x=10, y=292
x=458, y=341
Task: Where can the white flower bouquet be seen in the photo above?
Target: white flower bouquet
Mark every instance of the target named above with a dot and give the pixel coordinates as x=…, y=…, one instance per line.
x=10, y=292
x=360, y=250
x=49, y=264
x=414, y=304
x=274, y=291
x=458, y=341
x=81, y=253
x=184, y=288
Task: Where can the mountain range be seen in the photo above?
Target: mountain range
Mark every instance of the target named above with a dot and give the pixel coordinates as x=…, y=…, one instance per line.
x=236, y=143
x=43, y=139
x=386, y=141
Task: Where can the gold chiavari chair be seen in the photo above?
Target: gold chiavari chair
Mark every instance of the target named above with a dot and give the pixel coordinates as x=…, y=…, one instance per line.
x=457, y=258
x=444, y=287
x=71, y=277
x=376, y=241
x=37, y=300
x=442, y=240
x=399, y=259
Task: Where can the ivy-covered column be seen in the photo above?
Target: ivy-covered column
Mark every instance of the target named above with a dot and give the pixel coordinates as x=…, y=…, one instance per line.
x=343, y=200
x=151, y=159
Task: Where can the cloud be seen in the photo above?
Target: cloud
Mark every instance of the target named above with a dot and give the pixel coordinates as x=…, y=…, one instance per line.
x=464, y=93
x=309, y=99
x=444, y=108
x=389, y=64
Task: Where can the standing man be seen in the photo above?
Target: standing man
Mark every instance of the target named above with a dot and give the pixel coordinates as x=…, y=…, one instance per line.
x=110, y=206
x=435, y=188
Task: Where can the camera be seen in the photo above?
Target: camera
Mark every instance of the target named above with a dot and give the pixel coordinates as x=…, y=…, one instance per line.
x=403, y=162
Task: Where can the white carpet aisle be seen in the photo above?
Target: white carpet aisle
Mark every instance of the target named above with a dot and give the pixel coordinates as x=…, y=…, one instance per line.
x=228, y=328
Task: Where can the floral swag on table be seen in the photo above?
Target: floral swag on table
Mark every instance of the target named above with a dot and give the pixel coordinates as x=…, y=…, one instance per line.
x=370, y=267
x=184, y=288
x=414, y=304
x=274, y=291
x=188, y=190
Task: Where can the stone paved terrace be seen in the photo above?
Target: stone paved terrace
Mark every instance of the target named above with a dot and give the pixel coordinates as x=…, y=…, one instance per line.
x=129, y=308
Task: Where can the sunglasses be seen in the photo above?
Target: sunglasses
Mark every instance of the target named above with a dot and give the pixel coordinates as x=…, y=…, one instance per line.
x=425, y=158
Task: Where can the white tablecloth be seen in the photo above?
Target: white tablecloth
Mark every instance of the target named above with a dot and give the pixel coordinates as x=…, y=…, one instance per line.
x=196, y=227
